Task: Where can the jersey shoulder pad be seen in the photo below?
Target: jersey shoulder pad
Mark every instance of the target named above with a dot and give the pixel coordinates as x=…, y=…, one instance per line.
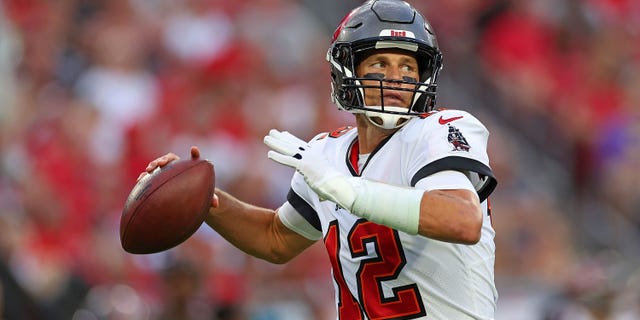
x=450, y=140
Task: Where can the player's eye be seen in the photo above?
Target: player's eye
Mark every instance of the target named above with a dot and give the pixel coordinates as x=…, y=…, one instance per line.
x=408, y=68
x=378, y=65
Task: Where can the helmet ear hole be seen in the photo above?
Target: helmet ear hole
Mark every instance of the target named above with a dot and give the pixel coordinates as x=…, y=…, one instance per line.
x=341, y=54
x=344, y=95
x=347, y=95
x=338, y=53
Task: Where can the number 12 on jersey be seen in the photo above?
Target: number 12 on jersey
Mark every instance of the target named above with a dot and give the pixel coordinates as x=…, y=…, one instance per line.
x=405, y=301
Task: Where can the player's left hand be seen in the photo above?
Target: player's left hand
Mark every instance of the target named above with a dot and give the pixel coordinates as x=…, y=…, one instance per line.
x=320, y=175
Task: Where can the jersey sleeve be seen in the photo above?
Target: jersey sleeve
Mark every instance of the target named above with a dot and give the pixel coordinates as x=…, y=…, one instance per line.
x=453, y=140
x=298, y=213
x=297, y=222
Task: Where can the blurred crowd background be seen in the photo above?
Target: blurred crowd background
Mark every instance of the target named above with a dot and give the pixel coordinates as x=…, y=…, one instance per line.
x=92, y=90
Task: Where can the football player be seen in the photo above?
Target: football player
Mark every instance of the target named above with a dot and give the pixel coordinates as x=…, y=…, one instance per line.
x=401, y=200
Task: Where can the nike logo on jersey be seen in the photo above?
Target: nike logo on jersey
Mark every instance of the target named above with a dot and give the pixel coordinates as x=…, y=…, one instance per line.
x=445, y=121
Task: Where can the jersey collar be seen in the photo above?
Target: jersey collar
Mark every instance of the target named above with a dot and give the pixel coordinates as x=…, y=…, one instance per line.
x=353, y=153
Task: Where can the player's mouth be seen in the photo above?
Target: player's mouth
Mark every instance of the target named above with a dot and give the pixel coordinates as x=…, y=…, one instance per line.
x=393, y=99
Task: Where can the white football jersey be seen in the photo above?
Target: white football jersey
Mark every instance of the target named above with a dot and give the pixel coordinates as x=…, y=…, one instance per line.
x=382, y=273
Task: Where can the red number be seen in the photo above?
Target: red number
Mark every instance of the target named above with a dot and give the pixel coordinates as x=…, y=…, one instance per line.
x=405, y=303
x=348, y=307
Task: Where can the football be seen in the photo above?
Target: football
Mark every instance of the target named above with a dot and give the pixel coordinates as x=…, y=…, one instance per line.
x=167, y=206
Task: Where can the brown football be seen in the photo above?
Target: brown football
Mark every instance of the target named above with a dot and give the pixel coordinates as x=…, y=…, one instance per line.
x=167, y=206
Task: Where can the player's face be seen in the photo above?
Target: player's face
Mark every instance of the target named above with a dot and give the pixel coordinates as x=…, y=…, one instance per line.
x=388, y=65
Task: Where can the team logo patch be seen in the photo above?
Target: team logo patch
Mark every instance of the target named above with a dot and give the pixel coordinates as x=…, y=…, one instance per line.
x=458, y=141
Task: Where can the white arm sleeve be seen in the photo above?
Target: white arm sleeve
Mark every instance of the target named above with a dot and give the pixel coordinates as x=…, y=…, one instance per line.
x=296, y=222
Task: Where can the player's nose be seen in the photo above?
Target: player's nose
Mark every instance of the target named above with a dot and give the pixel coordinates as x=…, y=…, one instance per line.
x=393, y=73
x=394, y=76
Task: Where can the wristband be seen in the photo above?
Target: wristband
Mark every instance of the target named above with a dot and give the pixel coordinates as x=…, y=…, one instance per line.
x=392, y=206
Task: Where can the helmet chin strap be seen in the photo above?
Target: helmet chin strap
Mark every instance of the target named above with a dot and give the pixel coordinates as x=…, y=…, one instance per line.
x=386, y=120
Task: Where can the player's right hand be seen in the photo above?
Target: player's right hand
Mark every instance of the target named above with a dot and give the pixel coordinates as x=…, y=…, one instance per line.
x=165, y=159
x=312, y=164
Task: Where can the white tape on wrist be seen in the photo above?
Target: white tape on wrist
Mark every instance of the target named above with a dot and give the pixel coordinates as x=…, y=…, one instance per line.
x=385, y=204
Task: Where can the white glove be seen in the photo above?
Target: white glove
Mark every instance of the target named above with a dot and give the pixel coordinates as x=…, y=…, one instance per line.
x=393, y=206
x=312, y=164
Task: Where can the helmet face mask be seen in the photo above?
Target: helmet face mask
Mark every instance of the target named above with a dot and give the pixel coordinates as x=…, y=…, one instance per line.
x=380, y=25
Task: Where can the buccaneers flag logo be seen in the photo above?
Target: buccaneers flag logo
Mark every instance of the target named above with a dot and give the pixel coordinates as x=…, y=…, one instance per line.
x=457, y=139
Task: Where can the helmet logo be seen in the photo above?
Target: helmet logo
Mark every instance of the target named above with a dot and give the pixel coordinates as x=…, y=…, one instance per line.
x=397, y=33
